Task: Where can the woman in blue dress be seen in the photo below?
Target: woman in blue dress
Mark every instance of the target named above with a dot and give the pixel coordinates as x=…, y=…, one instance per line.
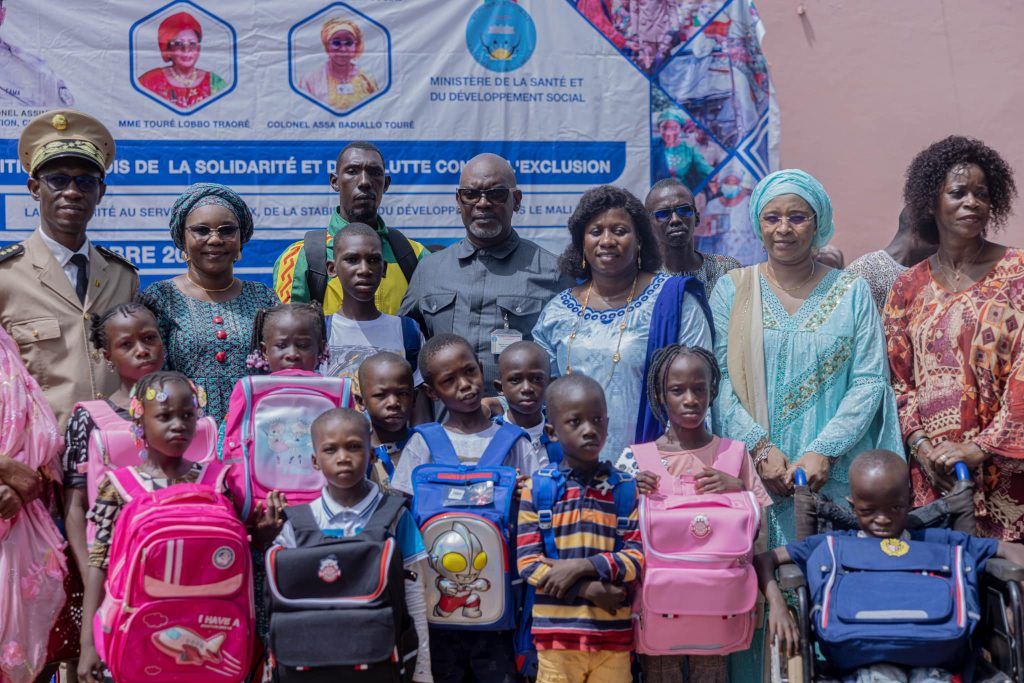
x=601, y=327
x=805, y=377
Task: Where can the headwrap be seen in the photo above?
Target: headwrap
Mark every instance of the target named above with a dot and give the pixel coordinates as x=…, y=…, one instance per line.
x=670, y=115
x=803, y=185
x=171, y=27
x=332, y=26
x=202, y=194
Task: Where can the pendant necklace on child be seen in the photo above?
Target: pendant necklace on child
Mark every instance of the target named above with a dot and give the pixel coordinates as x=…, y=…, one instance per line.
x=617, y=356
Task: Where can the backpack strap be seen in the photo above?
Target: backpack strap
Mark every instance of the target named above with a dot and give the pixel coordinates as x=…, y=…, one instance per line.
x=402, y=249
x=501, y=444
x=440, y=446
x=385, y=518
x=214, y=473
x=315, y=245
x=382, y=455
x=103, y=416
x=307, y=531
x=625, y=497
x=647, y=457
x=126, y=482
x=411, y=340
x=546, y=489
x=729, y=458
x=247, y=391
x=552, y=448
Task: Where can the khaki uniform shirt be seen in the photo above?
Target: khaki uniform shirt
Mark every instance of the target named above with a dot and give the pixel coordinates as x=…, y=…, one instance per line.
x=42, y=313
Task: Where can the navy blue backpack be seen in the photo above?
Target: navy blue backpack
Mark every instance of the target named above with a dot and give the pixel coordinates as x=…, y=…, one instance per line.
x=912, y=603
x=466, y=516
x=547, y=487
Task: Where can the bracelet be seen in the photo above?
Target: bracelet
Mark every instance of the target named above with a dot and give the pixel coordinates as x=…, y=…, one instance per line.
x=916, y=445
x=761, y=451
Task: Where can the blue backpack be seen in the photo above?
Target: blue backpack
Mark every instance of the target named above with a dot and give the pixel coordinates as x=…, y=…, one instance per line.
x=912, y=603
x=552, y=448
x=547, y=487
x=465, y=514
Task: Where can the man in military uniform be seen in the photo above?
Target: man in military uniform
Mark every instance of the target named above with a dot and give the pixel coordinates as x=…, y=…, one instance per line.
x=52, y=283
x=26, y=80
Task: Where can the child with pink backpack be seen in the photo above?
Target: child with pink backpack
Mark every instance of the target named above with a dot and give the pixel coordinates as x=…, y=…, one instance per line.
x=168, y=595
x=700, y=510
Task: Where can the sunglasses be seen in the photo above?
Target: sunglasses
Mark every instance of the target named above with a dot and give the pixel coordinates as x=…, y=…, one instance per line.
x=182, y=46
x=337, y=42
x=794, y=219
x=203, y=232
x=684, y=211
x=495, y=195
x=59, y=182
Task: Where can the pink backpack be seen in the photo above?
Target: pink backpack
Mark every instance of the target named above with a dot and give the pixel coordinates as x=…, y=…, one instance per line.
x=699, y=589
x=179, y=603
x=111, y=445
x=267, y=432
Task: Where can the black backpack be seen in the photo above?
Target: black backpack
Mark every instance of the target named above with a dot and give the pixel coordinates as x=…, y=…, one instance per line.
x=315, y=244
x=337, y=604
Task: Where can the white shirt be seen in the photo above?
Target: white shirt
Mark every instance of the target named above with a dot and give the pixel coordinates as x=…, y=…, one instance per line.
x=350, y=342
x=469, y=448
x=63, y=256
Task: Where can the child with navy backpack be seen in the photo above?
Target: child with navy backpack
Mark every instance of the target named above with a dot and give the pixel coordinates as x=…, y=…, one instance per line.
x=579, y=545
x=463, y=477
x=344, y=575
x=886, y=599
x=386, y=395
x=524, y=372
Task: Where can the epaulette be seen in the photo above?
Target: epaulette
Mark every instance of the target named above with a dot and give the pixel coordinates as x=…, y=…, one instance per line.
x=117, y=257
x=11, y=251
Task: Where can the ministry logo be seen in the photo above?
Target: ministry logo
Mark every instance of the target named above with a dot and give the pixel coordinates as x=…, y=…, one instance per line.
x=501, y=35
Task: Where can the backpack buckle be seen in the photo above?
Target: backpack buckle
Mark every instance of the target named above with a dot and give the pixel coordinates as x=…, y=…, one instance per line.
x=622, y=524
x=544, y=518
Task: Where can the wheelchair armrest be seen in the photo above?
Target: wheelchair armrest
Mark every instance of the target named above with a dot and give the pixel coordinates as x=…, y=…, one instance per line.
x=1004, y=570
x=790, y=577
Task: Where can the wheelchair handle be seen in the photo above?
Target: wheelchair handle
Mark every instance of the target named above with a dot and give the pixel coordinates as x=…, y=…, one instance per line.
x=962, y=473
x=800, y=477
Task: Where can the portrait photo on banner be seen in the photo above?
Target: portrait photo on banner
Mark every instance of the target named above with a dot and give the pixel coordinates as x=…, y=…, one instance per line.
x=183, y=57
x=339, y=59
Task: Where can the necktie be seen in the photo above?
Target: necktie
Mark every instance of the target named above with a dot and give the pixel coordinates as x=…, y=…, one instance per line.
x=82, y=281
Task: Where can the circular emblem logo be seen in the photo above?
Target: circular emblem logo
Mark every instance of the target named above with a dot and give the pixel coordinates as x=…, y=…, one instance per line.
x=329, y=569
x=700, y=526
x=894, y=547
x=223, y=557
x=501, y=35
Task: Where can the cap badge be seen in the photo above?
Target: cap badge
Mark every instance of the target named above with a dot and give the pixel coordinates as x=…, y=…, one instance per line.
x=59, y=121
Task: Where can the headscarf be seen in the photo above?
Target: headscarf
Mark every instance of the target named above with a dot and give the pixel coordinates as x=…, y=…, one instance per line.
x=171, y=27
x=332, y=26
x=202, y=194
x=803, y=185
x=670, y=115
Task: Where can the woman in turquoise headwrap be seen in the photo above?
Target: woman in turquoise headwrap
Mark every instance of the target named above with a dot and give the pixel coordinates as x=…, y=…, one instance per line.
x=805, y=377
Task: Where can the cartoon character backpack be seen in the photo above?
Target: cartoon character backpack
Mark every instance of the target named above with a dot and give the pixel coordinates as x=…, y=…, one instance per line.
x=465, y=515
x=267, y=431
x=178, y=603
x=699, y=587
x=112, y=445
x=337, y=603
x=547, y=487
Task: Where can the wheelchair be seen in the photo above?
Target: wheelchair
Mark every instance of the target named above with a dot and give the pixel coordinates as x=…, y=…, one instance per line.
x=997, y=638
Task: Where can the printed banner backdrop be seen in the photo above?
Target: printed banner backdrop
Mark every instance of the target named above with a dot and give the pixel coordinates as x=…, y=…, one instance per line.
x=262, y=96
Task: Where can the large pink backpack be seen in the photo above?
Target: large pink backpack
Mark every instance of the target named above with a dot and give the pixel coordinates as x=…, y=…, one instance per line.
x=111, y=445
x=267, y=433
x=699, y=589
x=178, y=605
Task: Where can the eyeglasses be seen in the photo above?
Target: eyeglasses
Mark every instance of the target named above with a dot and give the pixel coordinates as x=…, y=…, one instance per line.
x=684, y=211
x=203, y=232
x=58, y=182
x=495, y=195
x=794, y=219
x=338, y=42
x=182, y=46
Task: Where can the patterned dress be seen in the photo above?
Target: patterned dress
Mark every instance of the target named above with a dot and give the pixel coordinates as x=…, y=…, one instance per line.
x=958, y=372
x=880, y=271
x=713, y=267
x=190, y=328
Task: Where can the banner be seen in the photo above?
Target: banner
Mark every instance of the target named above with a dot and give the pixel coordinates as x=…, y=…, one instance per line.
x=262, y=96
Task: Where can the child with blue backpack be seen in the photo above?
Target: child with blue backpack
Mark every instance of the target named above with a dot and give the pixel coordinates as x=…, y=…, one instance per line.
x=524, y=372
x=579, y=545
x=463, y=477
x=386, y=393
x=891, y=604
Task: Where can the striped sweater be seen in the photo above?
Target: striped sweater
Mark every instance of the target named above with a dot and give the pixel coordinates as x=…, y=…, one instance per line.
x=584, y=524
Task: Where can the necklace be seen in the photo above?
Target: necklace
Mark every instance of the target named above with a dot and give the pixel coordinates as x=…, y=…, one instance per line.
x=617, y=356
x=958, y=272
x=209, y=290
x=186, y=81
x=791, y=289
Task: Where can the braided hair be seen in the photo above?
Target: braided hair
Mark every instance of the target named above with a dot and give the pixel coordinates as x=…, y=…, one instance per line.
x=98, y=323
x=662, y=361
x=312, y=310
x=157, y=382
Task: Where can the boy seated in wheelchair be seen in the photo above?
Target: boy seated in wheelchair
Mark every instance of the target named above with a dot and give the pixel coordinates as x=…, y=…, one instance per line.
x=890, y=604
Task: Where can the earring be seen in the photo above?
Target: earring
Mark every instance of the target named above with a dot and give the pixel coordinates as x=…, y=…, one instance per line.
x=184, y=256
x=638, y=266
x=110, y=366
x=144, y=451
x=239, y=257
